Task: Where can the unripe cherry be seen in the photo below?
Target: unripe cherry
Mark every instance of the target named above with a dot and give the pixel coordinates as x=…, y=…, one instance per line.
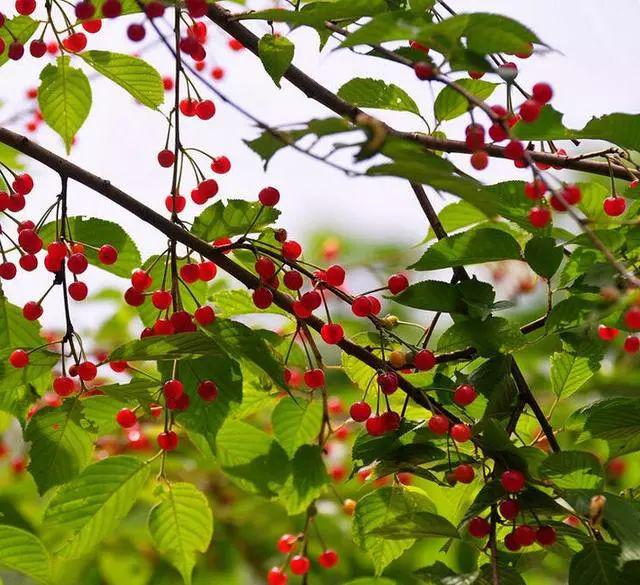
x=479, y=527
x=269, y=196
x=167, y=441
x=438, y=424
x=207, y=390
x=424, y=360
x=464, y=395
x=512, y=481
x=360, y=411
x=332, y=333
x=205, y=315
x=314, y=378
x=328, y=558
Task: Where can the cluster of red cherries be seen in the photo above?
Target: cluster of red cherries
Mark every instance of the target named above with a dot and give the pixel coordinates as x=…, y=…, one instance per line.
x=523, y=535
x=299, y=564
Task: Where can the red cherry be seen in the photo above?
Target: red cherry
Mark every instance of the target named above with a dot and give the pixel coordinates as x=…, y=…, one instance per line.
x=207, y=390
x=375, y=426
x=87, y=371
x=464, y=395
x=8, y=270
x=119, y=366
x=497, y=132
x=126, y=418
x=75, y=42
x=217, y=73
x=37, y=48
x=474, y=137
x=514, y=150
x=141, y=280
x=286, y=543
x=525, y=535
x=335, y=275
x=542, y=92
x=32, y=311
x=509, y=509
x=546, y=535
x=461, y=433
x=57, y=250
x=167, y=441
x=361, y=307
x=312, y=299
x=207, y=271
x=332, y=333
x=23, y=184
x=173, y=389
x=632, y=344
x=293, y=280
x=78, y=291
x=479, y=160
x=107, y=254
x=92, y=26
x=112, y=8
x=162, y=299
x=205, y=109
x=19, y=358
x=479, y=527
x=190, y=273
x=262, y=297
x=28, y=262
x=535, y=190
x=16, y=51
x=328, y=559
x=397, y=283
x=388, y=382
x=205, y=315
x=314, y=378
x=614, y=206
x=300, y=310
x=291, y=250
x=25, y=7
x=177, y=203
x=632, y=318
x=530, y=110
x=265, y=267
x=221, y=165
x=607, y=333
x=424, y=360
x=424, y=71
x=166, y=158
x=269, y=196
x=77, y=263
x=360, y=411
x=464, y=473
x=277, y=576
x=539, y=217
x=64, y=386
x=299, y=565
x=512, y=481
x=163, y=327
x=133, y=297
x=511, y=542
x=85, y=10
x=136, y=32
x=208, y=188
x=438, y=424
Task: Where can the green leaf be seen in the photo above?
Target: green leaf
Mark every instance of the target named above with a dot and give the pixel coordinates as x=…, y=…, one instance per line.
x=457, y=215
x=255, y=461
x=417, y=525
x=23, y=552
x=20, y=28
x=181, y=525
x=488, y=336
x=233, y=219
x=598, y=564
x=128, y=7
x=371, y=581
x=622, y=519
x=307, y=480
x=440, y=574
x=617, y=421
x=91, y=506
x=96, y=232
x=379, y=508
x=573, y=470
x=296, y=422
x=569, y=371
x=64, y=98
x=168, y=347
x=475, y=246
x=375, y=93
x=61, y=444
x=450, y=104
x=134, y=75
x=276, y=54
x=543, y=256
x=231, y=303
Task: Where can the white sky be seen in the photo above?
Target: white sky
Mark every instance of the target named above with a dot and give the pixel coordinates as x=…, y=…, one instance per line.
x=591, y=73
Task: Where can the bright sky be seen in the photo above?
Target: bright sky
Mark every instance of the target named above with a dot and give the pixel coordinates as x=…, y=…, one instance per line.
x=590, y=71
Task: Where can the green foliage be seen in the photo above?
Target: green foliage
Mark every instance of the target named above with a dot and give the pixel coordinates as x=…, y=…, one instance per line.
x=375, y=93
x=20, y=28
x=449, y=104
x=296, y=422
x=23, y=552
x=233, y=219
x=276, y=53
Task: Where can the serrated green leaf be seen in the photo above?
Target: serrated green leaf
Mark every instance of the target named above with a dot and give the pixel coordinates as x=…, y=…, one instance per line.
x=455, y=216
x=19, y=28
x=569, y=372
x=450, y=104
x=296, y=422
x=233, y=219
x=168, y=347
x=231, y=303
x=543, y=256
x=598, y=564
x=181, y=525
x=573, y=470
x=375, y=93
x=91, y=506
x=23, y=552
x=416, y=525
x=488, y=336
x=276, y=54
x=307, y=480
x=64, y=97
x=617, y=421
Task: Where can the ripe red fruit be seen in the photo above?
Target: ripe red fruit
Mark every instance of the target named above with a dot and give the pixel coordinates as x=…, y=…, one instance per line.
x=173, y=389
x=300, y=310
x=64, y=386
x=78, y=291
x=291, y=250
x=514, y=150
x=136, y=32
x=314, y=378
x=207, y=390
x=133, y=297
x=424, y=70
x=19, y=358
x=461, y=433
x=465, y=394
x=524, y=535
x=37, y=48
x=162, y=299
x=614, y=206
x=332, y=333
x=299, y=565
x=512, y=481
x=535, y=190
x=8, y=270
x=107, y=255
x=205, y=109
x=335, y=275
x=397, y=283
x=632, y=318
x=87, y=371
x=126, y=418
x=75, y=42
x=221, y=165
x=286, y=543
x=166, y=158
x=312, y=300
x=607, y=333
x=546, y=535
x=464, y=473
x=208, y=188
x=92, y=26
x=262, y=297
x=207, y=271
x=375, y=426
x=479, y=527
x=85, y=10
x=16, y=51
x=269, y=196
x=32, y=311
x=360, y=411
x=474, y=137
x=163, y=327
x=25, y=7
x=205, y=315
x=77, y=263
x=632, y=344
x=112, y=8
x=438, y=424
x=28, y=262
x=119, y=366
x=190, y=273
x=497, y=132
x=265, y=267
x=511, y=543
x=167, y=441
x=424, y=360
x=539, y=217
x=542, y=92
x=293, y=280
x=479, y=160
x=277, y=576
x=177, y=203
x=388, y=382
x=22, y=184
x=328, y=559
x=530, y=110
x=57, y=250
x=509, y=509
x=361, y=307
x=571, y=195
